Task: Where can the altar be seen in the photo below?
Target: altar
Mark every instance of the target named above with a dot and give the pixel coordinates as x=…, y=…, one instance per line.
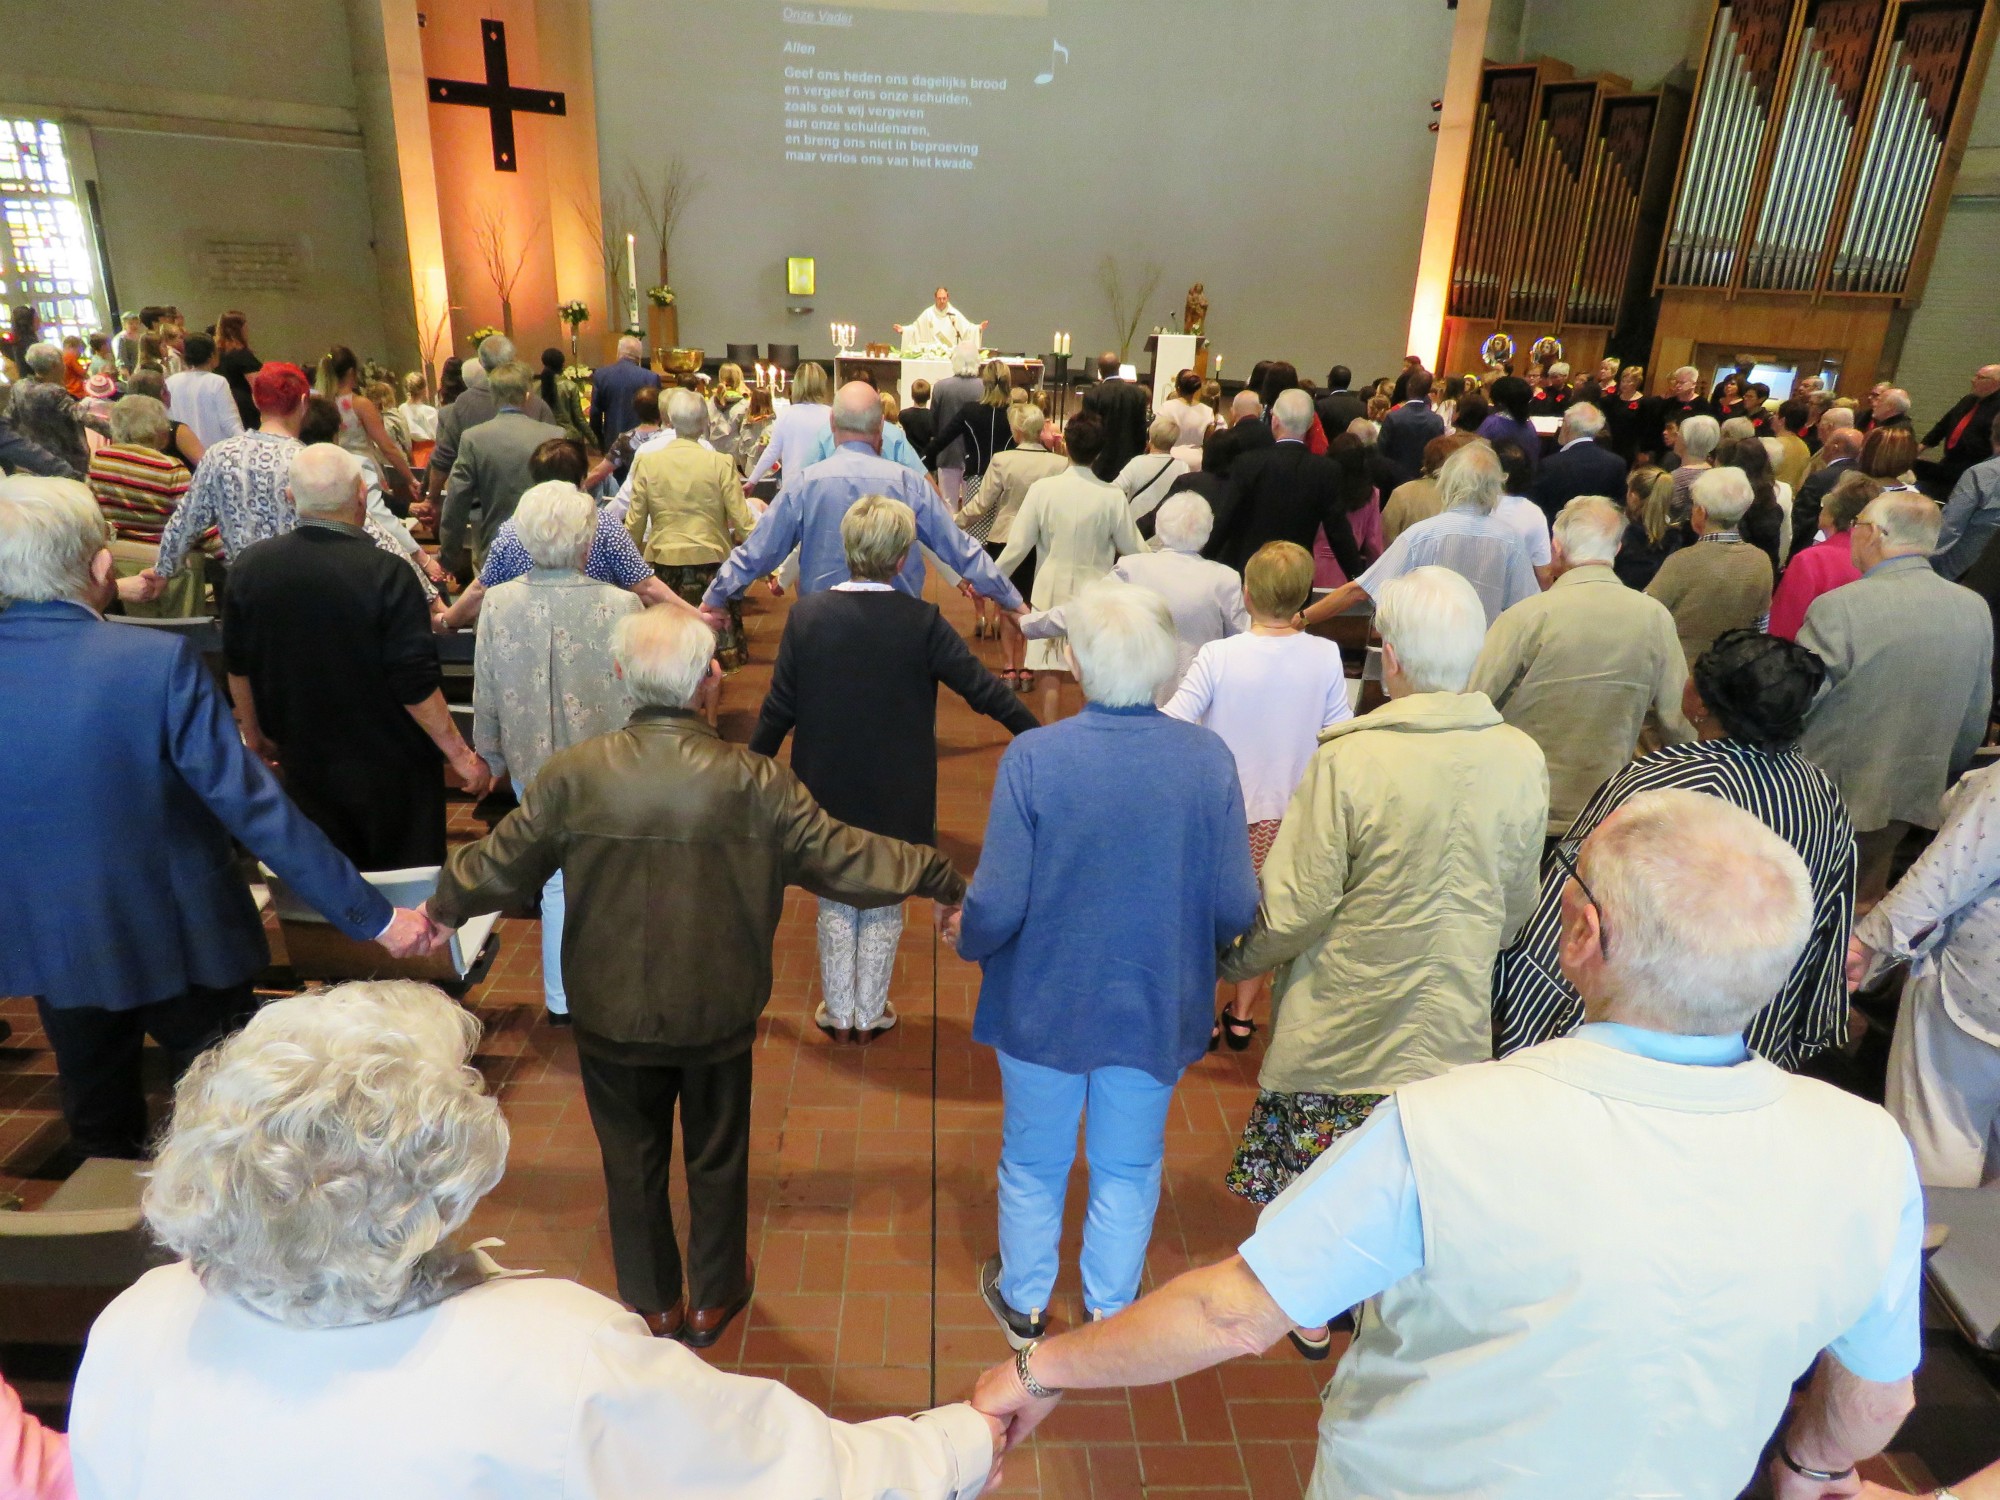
x=898, y=372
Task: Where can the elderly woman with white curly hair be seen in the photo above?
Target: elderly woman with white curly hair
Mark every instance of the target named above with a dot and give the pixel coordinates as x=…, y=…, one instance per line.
x=543, y=678
x=321, y=1337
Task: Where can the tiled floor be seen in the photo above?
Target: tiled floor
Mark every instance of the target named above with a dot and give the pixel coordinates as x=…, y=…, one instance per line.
x=871, y=1188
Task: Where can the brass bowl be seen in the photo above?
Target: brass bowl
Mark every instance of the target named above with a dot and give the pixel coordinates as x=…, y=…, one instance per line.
x=679, y=361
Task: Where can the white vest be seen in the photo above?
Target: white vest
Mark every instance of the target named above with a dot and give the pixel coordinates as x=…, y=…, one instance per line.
x=1626, y=1265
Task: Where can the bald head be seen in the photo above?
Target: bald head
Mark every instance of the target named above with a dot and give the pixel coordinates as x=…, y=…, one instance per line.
x=1841, y=442
x=1246, y=405
x=857, y=414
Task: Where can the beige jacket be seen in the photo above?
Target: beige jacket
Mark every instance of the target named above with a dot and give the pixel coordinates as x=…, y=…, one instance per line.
x=1577, y=669
x=687, y=506
x=1720, y=583
x=1408, y=858
x=1006, y=484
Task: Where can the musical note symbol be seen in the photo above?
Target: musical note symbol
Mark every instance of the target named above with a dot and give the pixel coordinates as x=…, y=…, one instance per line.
x=1054, y=48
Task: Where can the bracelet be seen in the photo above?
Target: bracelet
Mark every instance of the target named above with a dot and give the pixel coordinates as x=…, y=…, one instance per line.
x=1822, y=1476
x=1028, y=1382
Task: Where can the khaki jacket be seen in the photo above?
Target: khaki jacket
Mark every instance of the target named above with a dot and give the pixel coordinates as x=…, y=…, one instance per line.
x=687, y=505
x=1408, y=858
x=675, y=849
x=1578, y=668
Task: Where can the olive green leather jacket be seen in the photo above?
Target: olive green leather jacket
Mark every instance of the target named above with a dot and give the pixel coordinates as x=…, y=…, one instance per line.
x=675, y=849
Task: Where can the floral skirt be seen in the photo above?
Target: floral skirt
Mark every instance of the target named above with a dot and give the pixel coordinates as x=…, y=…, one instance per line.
x=691, y=582
x=1289, y=1132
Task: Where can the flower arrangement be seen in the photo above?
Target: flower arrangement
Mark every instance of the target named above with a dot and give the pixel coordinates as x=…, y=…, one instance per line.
x=479, y=336
x=579, y=373
x=573, y=313
x=660, y=296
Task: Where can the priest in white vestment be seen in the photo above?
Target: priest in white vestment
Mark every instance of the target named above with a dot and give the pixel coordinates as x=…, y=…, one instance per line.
x=941, y=325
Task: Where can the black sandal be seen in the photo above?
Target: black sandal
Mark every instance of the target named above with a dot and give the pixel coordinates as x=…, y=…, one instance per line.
x=1236, y=1030
x=1312, y=1349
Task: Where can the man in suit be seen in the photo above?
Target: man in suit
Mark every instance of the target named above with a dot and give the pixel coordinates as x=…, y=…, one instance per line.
x=334, y=673
x=612, y=389
x=1121, y=406
x=475, y=404
x=1246, y=433
x=1285, y=494
x=1966, y=432
x=124, y=780
x=1840, y=447
x=491, y=469
x=1406, y=429
x=1909, y=660
x=1339, y=406
x=1581, y=466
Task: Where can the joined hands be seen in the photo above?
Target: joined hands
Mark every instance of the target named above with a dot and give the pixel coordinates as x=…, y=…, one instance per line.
x=413, y=933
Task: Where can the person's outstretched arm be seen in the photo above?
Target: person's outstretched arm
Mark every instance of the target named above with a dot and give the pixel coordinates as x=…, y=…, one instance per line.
x=1841, y=1420
x=953, y=664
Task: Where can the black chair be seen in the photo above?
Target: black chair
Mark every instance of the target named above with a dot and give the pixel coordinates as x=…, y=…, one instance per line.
x=743, y=356
x=784, y=356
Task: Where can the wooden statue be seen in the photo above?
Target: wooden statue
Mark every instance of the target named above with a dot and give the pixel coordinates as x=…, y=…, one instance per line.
x=1195, y=314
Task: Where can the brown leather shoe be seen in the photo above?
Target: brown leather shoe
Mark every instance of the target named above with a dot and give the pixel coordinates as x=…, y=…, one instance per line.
x=668, y=1324
x=705, y=1325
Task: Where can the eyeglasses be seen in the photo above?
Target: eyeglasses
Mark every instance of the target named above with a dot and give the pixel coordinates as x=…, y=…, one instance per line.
x=1568, y=861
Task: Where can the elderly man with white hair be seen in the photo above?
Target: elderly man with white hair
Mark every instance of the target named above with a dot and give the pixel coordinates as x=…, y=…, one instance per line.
x=1466, y=536
x=323, y=1334
x=1204, y=598
x=122, y=788
x=808, y=512
x=1246, y=433
x=612, y=388
x=1116, y=862
x=1581, y=667
x=334, y=673
x=1721, y=582
x=1285, y=493
x=490, y=473
x=675, y=849
x=1889, y=406
x=1659, y=416
x=1581, y=465
x=543, y=678
x=1909, y=659
x=1433, y=804
x=1597, y=1266
x=476, y=404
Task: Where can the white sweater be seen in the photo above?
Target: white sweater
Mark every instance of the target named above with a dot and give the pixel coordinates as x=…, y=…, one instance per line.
x=1268, y=696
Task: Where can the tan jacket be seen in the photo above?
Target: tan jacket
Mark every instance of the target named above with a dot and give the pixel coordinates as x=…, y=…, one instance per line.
x=687, y=505
x=1006, y=484
x=675, y=849
x=1720, y=583
x=1411, y=502
x=1577, y=669
x=1408, y=858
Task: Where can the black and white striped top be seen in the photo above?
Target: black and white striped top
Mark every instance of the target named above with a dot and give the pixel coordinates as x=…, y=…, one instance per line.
x=1533, y=1002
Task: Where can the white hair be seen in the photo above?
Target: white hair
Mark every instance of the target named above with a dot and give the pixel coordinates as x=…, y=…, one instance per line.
x=1836, y=417
x=1704, y=911
x=1896, y=399
x=1723, y=495
x=1183, y=522
x=1025, y=421
x=1735, y=429
x=324, y=479
x=1582, y=421
x=1163, y=433
x=856, y=408
x=1590, y=529
x=139, y=419
x=50, y=532
x=1560, y=367
x=1689, y=371
x=965, y=362
x=687, y=413
x=1365, y=430
x=1700, y=436
x=556, y=522
x=509, y=383
x=1471, y=479
x=664, y=654
x=1123, y=639
x=44, y=361
x=1773, y=450
x=1905, y=521
x=495, y=350
x=1292, y=413
x=319, y=1159
x=630, y=347
x=1434, y=621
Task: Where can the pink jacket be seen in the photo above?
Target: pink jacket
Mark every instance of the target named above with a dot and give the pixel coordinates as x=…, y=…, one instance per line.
x=34, y=1462
x=1821, y=568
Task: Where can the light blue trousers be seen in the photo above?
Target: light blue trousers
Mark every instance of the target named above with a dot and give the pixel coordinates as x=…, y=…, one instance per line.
x=554, y=996
x=1124, y=1113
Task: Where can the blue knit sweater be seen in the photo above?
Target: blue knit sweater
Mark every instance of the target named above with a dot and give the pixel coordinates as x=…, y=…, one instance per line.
x=1117, y=863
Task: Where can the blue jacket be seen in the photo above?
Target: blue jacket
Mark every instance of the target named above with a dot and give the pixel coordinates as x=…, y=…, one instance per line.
x=122, y=778
x=611, y=391
x=1117, y=863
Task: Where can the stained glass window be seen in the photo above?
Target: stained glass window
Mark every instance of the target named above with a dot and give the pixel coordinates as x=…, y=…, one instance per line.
x=45, y=253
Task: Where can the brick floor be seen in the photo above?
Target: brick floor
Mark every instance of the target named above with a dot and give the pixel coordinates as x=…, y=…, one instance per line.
x=871, y=1196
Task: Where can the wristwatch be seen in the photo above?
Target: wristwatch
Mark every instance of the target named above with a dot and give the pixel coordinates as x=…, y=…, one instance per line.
x=1028, y=1382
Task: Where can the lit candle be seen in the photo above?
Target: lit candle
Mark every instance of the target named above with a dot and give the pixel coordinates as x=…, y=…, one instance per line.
x=632, y=280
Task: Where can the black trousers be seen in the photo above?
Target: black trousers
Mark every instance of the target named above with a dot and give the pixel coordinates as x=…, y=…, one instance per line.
x=382, y=818
x=97, y=1059
x=632, y=1109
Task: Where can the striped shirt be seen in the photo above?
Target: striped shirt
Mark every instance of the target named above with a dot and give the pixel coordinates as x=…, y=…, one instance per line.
x=1532, y=1002
x=137, y=488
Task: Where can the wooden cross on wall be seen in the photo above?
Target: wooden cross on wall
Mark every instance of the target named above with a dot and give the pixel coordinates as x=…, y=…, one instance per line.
x=497, y=96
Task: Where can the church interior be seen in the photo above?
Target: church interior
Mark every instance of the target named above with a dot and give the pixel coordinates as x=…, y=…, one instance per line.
x=499, y=928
